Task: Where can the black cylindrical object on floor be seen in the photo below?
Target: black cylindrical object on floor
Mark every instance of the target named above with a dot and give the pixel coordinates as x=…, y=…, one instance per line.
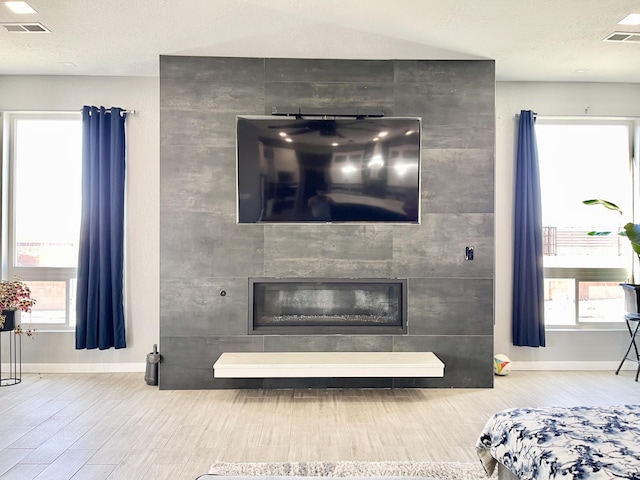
x=151, y=373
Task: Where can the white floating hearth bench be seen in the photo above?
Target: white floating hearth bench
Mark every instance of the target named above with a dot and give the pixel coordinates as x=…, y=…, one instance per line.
x=327, y=365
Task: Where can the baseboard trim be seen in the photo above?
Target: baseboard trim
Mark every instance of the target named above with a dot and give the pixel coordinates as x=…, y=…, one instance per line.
x=81, y=367
x=568, y=365
x=140, y=367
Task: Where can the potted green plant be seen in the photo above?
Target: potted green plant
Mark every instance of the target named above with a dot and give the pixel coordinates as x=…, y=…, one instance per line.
x=15, y=295
x=632, y=232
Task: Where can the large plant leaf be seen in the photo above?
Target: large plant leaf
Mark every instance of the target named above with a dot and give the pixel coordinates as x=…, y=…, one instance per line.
x=631, y=230
x=633, y=233
x=604, y=203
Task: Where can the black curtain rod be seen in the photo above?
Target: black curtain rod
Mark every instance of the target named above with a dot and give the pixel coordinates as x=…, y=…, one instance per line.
x=534, y=114
x=300, y=112
x=132, y=112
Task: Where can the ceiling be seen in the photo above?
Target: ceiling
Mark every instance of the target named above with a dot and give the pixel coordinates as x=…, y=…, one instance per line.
x=530, y=40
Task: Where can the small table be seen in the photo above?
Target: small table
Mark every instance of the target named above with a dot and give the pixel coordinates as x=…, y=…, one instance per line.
x=15, y=358
x=629, y=319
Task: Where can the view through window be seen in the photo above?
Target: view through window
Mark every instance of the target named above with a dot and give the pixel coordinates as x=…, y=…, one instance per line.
x=45, y=191
x=582, y=160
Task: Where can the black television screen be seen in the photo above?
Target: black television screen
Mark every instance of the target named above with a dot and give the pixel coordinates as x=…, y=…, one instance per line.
x=328, y=170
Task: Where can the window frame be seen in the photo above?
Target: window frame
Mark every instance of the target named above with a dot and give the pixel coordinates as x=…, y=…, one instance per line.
x=618, y=275
x=604, y=274
x=68, y=275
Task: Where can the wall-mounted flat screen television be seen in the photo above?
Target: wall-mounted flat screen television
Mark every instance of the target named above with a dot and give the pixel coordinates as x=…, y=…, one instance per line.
x=328, y=169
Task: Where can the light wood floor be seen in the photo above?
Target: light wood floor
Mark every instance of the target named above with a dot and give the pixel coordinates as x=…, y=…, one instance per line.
x=114, y=426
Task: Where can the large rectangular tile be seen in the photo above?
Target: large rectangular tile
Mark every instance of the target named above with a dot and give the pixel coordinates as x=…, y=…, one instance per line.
x=456, y=100
x=178, y=95
x=198, y=128
x=199, y=179
x=437, y=247
x=198, y=245
x=446, y=75
x=329, y=70
x=329, y=251
x=343, y=242
x=187, y=362
x=450, y=306
x=203, y=306
x=211, y=70
x=468, y=360
x=328, y=343
x=328, y=268
x=458, y=180
x=329, y=95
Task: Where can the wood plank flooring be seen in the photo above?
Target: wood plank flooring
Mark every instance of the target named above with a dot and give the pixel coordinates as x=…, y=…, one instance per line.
x=114, y=426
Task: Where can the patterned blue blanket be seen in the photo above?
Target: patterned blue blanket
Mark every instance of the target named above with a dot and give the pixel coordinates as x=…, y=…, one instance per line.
x=564, y=442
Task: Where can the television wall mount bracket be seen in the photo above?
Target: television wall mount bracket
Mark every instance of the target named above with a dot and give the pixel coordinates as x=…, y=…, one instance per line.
x=356, y=112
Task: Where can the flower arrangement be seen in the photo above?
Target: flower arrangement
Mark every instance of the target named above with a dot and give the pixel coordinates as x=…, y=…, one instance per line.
x=29, y=332
x=16, y=295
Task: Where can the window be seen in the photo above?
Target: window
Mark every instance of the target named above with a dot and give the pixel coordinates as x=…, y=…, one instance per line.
x=44, y=191
x=582, y=160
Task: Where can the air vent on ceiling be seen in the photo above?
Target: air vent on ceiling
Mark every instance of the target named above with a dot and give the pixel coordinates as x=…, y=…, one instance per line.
x=25, y=28
x=624, y=37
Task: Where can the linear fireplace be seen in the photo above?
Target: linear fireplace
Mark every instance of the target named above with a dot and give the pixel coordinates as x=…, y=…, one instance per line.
x=327, y=306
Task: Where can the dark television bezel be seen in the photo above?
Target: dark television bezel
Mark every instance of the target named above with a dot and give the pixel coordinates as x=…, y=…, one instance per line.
x=291, y=117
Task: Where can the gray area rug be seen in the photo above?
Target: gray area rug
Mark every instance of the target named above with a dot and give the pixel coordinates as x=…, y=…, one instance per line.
x=435, y=470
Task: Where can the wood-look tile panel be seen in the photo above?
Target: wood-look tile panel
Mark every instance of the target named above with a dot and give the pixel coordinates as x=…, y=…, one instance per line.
x=178, y=434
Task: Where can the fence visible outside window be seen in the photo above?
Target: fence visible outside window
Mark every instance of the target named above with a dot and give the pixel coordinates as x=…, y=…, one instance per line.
x=44, y=188
x=582, y=160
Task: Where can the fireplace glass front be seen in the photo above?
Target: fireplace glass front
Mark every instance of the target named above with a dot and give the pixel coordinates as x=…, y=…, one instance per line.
x=319, y=306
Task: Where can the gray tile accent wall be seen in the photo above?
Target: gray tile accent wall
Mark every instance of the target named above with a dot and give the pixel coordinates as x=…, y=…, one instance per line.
x=203, y=252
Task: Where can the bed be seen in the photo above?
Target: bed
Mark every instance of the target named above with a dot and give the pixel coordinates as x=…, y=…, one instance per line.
x=562, y=443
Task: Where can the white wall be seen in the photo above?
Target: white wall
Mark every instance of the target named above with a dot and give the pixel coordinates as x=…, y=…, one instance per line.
x=564, y=349
x=56, y=351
